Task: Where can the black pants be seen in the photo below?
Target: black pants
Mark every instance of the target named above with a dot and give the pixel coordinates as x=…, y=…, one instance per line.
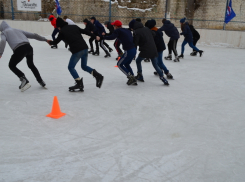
x=96, y=44
x=195, y=40
x=172, y=44
x=19, y=54
x=103, y=45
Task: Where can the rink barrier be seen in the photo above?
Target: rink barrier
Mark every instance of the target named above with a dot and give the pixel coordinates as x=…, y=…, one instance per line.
x=221, y=38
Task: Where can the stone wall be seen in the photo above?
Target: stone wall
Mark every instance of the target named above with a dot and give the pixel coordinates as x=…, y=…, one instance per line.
x=207, y=13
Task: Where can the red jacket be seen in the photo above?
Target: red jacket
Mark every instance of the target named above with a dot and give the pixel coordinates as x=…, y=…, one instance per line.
x=52, y=19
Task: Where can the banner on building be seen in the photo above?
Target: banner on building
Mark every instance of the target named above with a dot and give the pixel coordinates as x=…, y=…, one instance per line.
x=29, y=5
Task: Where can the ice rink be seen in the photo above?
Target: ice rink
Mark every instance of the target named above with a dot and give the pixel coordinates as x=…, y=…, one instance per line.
x=191, y=131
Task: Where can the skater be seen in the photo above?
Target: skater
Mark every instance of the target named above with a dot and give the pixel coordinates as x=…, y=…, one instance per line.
x=117, y=42
x=69, y=21
x=172, y=32
x=52, y=19
x=160, y=44
x=196, y=37
x=144, y=38
x=72, y=35
x=19, y=43
x=99, y=30
x=186, y=32
x=126, y=38
x=90, y=27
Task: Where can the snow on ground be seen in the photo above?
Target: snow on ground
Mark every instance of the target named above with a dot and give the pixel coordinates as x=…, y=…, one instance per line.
x=191, y=131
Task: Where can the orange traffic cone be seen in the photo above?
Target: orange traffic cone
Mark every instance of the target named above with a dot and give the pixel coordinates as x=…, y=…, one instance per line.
x=117, y=60
x=56, y=113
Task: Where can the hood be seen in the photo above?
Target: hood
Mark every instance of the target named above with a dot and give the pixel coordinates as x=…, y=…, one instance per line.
x=93, y=18
x=60, y=22
x=150, y=24
x=131, y=24
x=86, y=20
x=51, y=17
x=138, y=25
x=4, y=26
x=167, y=22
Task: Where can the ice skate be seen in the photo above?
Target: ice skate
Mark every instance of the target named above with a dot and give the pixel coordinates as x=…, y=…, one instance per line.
x=140, y=77
x=99, y=78
x=169, y=57
x=181, y=56
x=169, y=76
x=54, y=47
x=24, y=84
x=96, y=53
x=91, y=51
x=110, y=49
x=200, y=53
x=164, y=81
x=78, y=87
x=131, y=80
x=42, y=83
x=155, y=73
x=176, y=59
x=107, y=55
x=194, y=53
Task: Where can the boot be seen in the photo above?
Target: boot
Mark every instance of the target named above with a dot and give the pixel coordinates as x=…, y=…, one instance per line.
x=181, y=56
x=24, y=84
x=169, y=76
x=176, y=59
x=201, y=53
x=139, y=77
x=164, y=81
x=131, y=80
x=107, y=55
x=194, y=53
x=169, y=57
x=79, y=85
x=42, y=83
x=54, y=47
x=99, y=78
x=96, y=53
x=91, y=51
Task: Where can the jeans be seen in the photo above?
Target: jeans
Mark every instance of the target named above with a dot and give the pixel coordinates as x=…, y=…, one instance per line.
x=154, y=62
x=56, y=30
x=83, y=55
x=125, y=61
x=161, y=64
x=190, y=44
x=19, y=54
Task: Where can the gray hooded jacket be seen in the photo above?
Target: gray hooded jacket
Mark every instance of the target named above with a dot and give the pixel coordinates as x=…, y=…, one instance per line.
x=15, y=37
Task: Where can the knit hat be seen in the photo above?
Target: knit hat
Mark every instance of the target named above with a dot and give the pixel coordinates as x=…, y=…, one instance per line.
x=106, y=22
x=131, y=24
x=93, y=18
x=85, y=20
x=117, y=23
x=182, y=20
x=138, y=19
x=60, y=23
x=150, y=23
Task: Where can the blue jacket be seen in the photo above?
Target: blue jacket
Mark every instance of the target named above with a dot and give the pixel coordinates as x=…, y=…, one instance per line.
x=99, y=28
x=170, y=30
x=125, y=37
x=186, y=31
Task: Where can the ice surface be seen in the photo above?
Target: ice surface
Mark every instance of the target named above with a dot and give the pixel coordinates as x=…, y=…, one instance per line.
x=191, y=131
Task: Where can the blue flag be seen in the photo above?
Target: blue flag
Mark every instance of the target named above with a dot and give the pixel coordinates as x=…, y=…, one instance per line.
x=230, y=14
x=58, y=8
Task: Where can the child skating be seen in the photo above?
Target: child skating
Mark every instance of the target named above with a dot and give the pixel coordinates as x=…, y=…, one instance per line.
x=72, y=35
x=19, y=43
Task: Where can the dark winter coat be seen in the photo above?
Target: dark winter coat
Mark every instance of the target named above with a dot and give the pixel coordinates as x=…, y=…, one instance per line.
x=71, y=34
x=170, y=30
x=195, y=33
x=110, y=28
x=186, y=32
x=159, y=41
x=99, y=28
x=125, y=37
x=90, y=27
x=144, y=38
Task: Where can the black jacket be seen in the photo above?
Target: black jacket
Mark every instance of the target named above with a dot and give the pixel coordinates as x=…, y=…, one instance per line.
x=159, y=40
x=170, y=30
x=90, y=27
x=110, y=28
x=144, y=38
x=195, y=33
x=71, y=34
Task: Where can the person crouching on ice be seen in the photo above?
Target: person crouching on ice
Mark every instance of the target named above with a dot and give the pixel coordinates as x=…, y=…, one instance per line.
x=19, y=43
x=126, y=38
x=72, y=35
x=186, y=32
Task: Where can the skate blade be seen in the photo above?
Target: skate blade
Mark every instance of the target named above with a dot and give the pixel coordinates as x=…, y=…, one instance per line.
x=25, y=87
x=76, y=90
